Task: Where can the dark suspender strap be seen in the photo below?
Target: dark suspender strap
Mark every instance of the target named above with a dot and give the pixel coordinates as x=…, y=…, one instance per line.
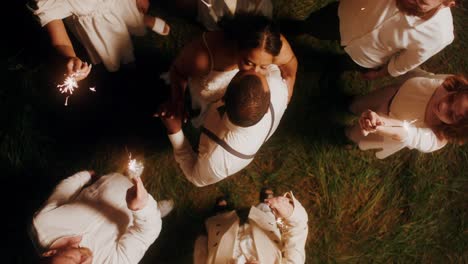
x=225, y=146
x=272, y=111
x=228, y=148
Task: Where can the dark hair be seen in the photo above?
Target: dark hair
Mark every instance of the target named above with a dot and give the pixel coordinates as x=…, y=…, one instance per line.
x=457, y=133
x=246, y=100
x=251, y=31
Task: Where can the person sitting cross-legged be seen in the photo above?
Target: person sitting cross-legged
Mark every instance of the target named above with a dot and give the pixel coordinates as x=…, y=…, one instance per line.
x=113, y=220
x=234, y=128
x=274, y=231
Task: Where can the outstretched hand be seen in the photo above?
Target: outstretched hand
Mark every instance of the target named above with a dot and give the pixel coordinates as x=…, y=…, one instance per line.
x=137, y=196
x=172, y=115
x=281, y=206
x=78, y=68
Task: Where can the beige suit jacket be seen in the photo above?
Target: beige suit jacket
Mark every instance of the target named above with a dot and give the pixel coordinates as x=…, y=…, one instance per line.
x=272, y=245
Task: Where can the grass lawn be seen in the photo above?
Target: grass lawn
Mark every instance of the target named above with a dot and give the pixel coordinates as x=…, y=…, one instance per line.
x=408, y=208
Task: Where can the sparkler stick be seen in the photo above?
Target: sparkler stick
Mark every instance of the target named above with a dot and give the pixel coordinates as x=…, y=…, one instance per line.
x=405, y=124
x=135, y=168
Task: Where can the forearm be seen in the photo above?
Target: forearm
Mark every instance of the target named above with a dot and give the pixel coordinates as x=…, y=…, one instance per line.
x=295, y=234
x=188, y=160
x=178, y=82
x=69, y=188
x=59, y=38
x=140, y=235
x=288, y=73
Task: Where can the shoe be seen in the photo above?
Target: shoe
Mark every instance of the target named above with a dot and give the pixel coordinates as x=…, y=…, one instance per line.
x=165, y=207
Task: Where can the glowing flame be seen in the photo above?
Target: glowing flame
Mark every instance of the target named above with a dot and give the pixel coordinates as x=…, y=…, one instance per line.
x=69, y=85
x=135, y=168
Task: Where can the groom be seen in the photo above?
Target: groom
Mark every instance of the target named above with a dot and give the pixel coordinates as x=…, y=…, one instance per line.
x=234, y=128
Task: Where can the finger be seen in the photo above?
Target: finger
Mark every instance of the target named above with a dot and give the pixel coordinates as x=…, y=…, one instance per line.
x=70, y=64
x=77, y=65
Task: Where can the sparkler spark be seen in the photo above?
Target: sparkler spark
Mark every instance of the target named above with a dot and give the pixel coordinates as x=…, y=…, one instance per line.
x=135, y=168
x=70, y=84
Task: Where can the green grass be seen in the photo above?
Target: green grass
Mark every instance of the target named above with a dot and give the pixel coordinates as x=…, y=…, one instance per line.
x=408, y=208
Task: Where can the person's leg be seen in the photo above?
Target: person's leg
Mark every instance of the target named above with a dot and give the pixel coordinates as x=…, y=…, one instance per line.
x=378, y=100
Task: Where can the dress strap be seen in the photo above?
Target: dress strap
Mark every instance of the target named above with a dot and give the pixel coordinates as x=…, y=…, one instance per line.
x=209, y=52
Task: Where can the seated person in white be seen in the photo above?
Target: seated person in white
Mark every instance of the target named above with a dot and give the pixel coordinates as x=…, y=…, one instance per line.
x=383, y=37
x=275, y=231
x=210, y=12
x=102, y=26
x=234, y=128
x=113, y=220
x=424, y=113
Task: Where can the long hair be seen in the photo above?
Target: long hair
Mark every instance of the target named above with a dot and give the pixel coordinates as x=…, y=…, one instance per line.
x=250, y=31
x=456, y=133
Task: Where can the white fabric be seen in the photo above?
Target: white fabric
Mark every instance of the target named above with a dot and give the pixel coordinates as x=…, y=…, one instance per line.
x=159, y=25
x=409, y=103
x=271, y=243
x=213, y=163
x=211, y=11
x=100, y=215
x=208, y=89
x=376, y=33
x=102, y=26
x=244, y=249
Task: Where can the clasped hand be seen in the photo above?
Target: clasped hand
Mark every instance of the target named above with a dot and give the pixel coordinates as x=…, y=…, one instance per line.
x=172, y=114
x=370, y=122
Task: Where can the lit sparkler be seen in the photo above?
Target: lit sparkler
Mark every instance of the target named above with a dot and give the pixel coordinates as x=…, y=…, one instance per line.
x=135, y=168
x=70, y=84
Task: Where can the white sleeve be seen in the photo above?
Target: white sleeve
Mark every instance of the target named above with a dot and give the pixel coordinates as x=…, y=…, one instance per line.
x=146, y=226
x=49, y=10
x=408, y=59
x=196, y=169
x=67, y=190
x=295, y=234
x=423, y=139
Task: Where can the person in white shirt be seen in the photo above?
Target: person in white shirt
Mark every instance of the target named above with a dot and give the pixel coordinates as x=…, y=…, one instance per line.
x=423, y=113
x=102, y=26
x=275, y=231
x=113, y=220
x=385, y=37
x=210, y=12
x=234, y=128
